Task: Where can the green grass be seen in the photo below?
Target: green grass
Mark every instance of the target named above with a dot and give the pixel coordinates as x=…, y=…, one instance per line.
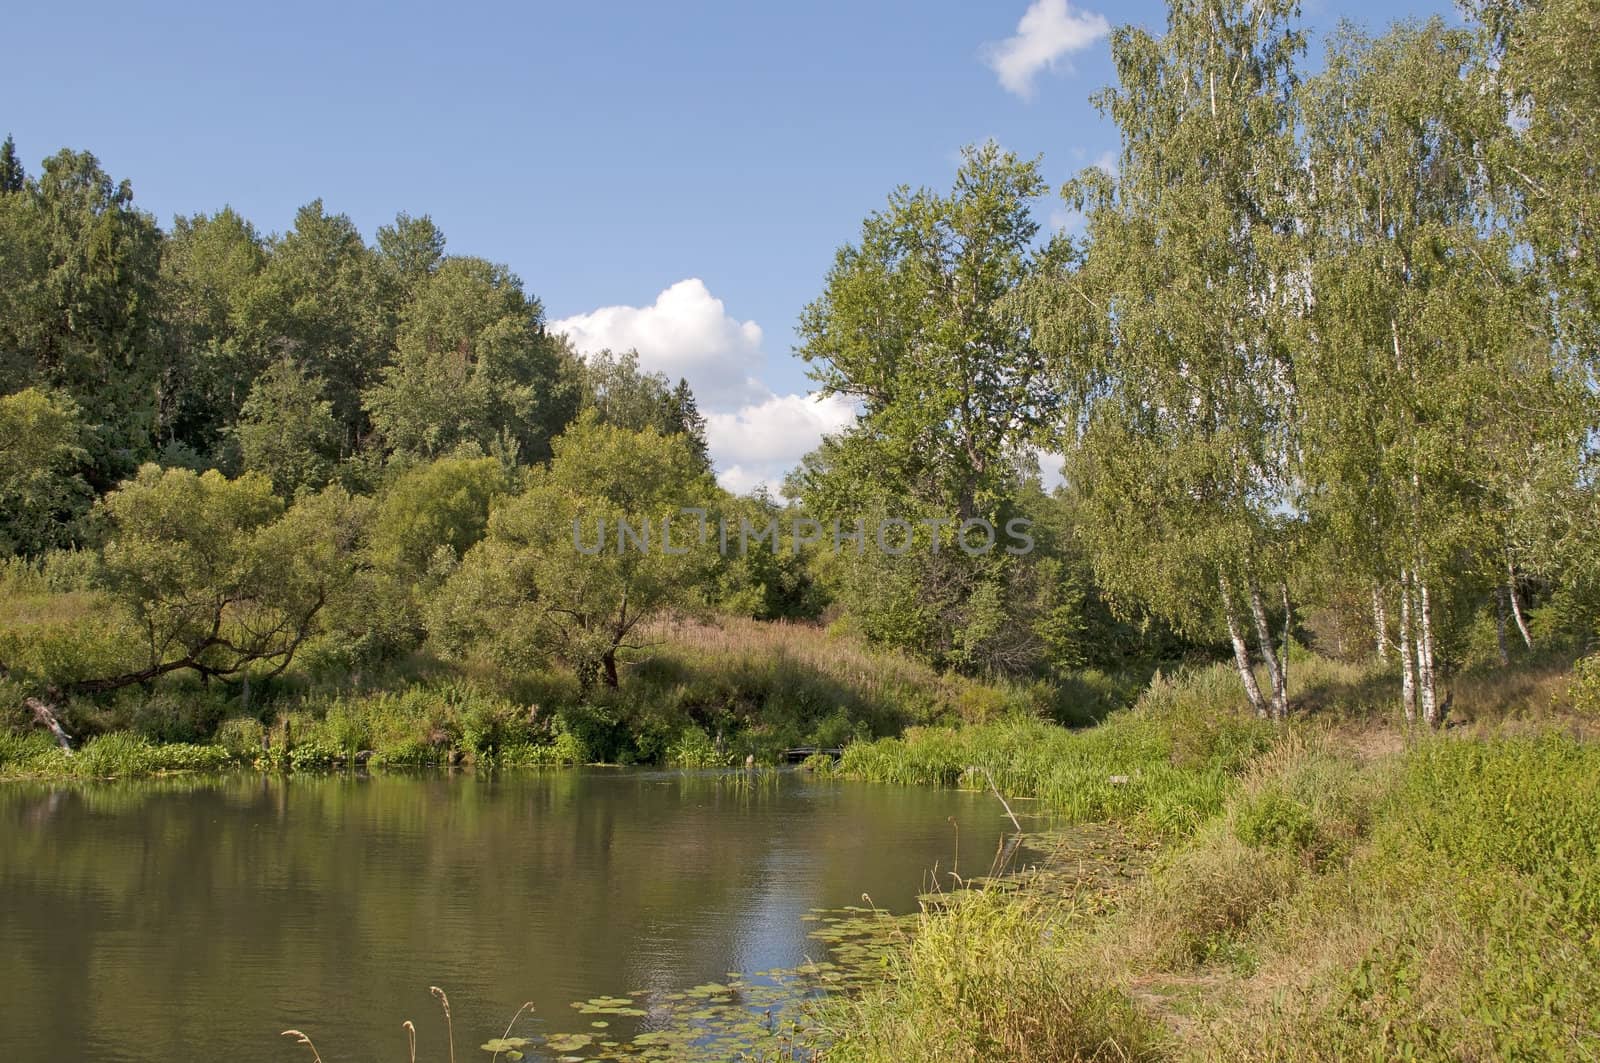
x=106, y=756
x=1167, y=763
x=1433, y=897
x=981, y=979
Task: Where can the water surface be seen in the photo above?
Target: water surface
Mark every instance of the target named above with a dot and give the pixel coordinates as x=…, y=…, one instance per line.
x=190, y=919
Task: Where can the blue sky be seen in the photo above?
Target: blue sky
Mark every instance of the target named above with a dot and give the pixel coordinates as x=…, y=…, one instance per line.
x=609, y=153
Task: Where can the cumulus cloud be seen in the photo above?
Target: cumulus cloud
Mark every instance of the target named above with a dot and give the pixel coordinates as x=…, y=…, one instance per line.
x=762, y=441
x=1048, y=31
x=686, y=332
x=755, y=436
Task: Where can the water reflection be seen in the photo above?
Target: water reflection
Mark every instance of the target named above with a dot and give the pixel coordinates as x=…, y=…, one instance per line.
x=186, y=919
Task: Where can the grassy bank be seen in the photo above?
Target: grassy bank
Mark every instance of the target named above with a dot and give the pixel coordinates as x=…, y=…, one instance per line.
x=1341, y=890
x=699, y=694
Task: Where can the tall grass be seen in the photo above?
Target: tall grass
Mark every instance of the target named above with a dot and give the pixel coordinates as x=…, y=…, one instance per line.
x=1167, y=762
x=982, y=979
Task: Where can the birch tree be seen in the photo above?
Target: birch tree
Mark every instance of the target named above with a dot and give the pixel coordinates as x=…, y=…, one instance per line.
x=1180, y=450
x=1421, y=368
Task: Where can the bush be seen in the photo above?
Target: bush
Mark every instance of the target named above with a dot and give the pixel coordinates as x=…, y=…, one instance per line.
x=566, y=750
x=177, y=715
x=1273, y=820
x=243, y=737
x=1585, y=691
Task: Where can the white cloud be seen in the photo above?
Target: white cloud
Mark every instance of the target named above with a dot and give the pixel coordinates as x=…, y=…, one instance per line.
x=755, y=436
x=764, y=440
x=686, y=332
x=1048, y=30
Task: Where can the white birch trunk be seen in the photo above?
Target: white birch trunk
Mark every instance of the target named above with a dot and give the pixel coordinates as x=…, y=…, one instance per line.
x=1380, y=624
x=1516, y=606
x=1241, y=650
x=1280, y=700
x=1428, y=694
x=1408, y=679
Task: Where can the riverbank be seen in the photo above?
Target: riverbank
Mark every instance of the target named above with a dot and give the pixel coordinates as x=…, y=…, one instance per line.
x=701, y=694
x=1340, y=890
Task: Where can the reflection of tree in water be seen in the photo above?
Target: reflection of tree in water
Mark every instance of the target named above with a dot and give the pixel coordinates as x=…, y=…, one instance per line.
x=186, y=914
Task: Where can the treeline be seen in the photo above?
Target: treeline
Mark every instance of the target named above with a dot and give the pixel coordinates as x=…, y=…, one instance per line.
x=1324, y=352
x=310, y=357
x=1320, y=363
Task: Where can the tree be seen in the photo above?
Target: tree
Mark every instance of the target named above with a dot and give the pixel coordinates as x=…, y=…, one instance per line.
x=12, y=177
x=318, y=302
x=688, y=421
x=1539, y=71
x=622, y=394
x=919, y=322
x=916, y=323
x=440, y=506
x=42, y=491
x=78, y=285
x=209, y=266
x=1422, y=354
x=410, y=251
x=558, y=574
x=217, y=578
x=1173, y=325
x=287, y=430
x=473, y=365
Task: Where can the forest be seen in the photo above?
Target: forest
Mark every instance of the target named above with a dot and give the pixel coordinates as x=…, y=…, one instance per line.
x=1318, y=352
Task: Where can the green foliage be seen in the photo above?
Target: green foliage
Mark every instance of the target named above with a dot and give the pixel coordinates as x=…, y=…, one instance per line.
x=695, y=749
x=530, y=589
x=78, y=294
x=1168, y=767
x=472, y=366
x=1273, y=820
x=216, y=574
x=243, y=737
x=980, y=981
x=440, y=506
x=286, y=430
x=42, y=493
x=122, y=754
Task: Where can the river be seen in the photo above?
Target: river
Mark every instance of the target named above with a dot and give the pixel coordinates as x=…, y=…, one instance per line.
x=195, y=918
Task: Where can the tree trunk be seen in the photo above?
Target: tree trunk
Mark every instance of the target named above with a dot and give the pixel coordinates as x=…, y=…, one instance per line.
x=1516, y=606
x=1380, y=624
x=1408, y=679
x=45, y=716
x=1283, y=647
x=1280, y=699
x=609, y=662
x=1241, y=651
x=1426, y=676
x=1500, y=628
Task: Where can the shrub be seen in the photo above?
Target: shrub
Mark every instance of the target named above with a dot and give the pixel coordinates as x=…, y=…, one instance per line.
x=1585, y=691
x=182, y=714
x=1273, y=820
x=242, y=737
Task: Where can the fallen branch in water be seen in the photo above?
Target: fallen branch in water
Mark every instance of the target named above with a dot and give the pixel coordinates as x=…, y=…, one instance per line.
x=1014, y=821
